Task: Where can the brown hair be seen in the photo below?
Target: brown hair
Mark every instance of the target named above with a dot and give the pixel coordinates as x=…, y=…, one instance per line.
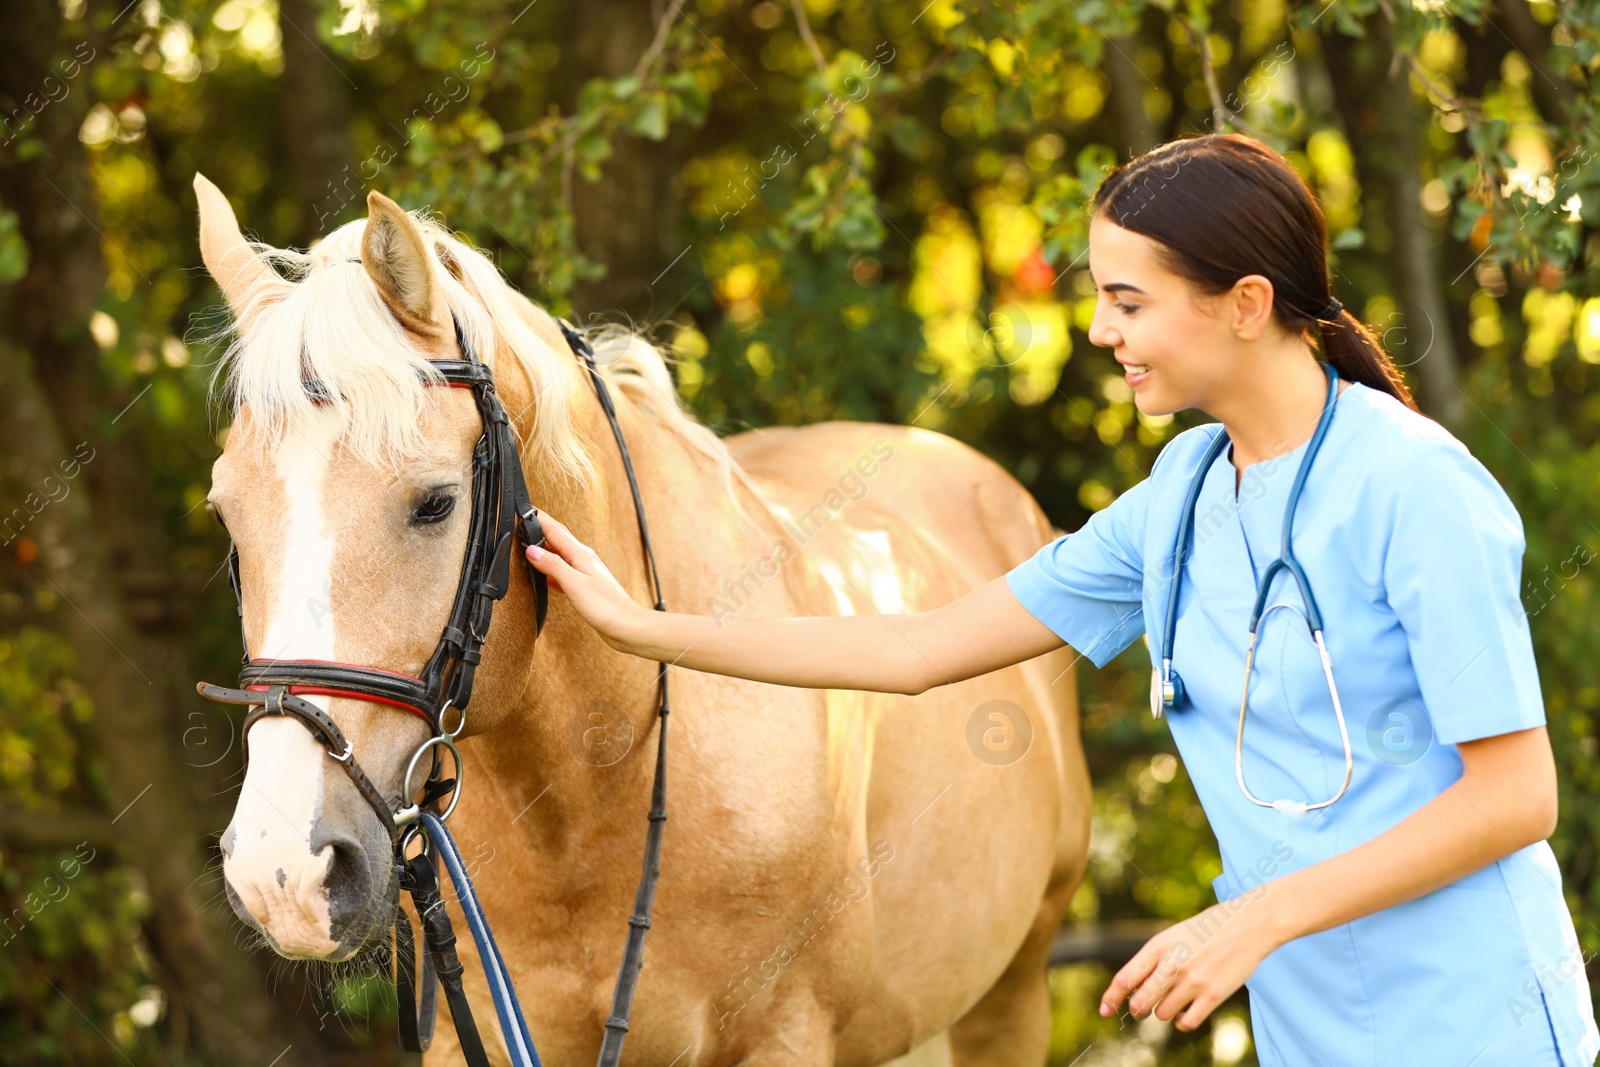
x=1223, y=205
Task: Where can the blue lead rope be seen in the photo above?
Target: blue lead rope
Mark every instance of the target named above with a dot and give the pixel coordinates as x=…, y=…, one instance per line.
x=513, y=1026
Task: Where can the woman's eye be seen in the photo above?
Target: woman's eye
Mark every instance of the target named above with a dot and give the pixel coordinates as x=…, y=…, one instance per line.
x=434, y=508
x=1127, y=309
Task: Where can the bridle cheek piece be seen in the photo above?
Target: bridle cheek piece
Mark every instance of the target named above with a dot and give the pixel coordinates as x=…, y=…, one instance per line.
x=502, y=513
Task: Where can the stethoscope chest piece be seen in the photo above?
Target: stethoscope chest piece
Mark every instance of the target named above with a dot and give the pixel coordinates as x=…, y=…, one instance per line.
x=1166, y=689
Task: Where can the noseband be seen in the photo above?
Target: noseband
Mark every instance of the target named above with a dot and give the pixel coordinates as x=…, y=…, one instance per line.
x=502, y=512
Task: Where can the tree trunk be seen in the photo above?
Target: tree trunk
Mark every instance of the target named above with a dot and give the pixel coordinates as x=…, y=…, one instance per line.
x=209, y=993
x=53, y=409
x=1554, y=92
x=625, y=220
x=1128, y=85
x=1430, y=345
x=316, y=108
x=1385, y=134
x=1174, y=80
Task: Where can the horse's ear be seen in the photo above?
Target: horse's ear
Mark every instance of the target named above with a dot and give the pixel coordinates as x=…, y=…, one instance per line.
x=242, y=275
x=396, y=257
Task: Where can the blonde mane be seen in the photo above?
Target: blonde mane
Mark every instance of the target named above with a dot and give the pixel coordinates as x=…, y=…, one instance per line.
x=332, y=324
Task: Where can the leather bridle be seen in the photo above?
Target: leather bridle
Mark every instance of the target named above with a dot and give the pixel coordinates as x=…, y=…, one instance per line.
x=502, y=511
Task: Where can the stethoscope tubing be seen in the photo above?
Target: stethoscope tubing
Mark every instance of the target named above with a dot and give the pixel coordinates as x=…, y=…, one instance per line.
x=1169, y=686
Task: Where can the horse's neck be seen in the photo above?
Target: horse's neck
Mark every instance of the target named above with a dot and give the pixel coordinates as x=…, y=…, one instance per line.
x=588, y=706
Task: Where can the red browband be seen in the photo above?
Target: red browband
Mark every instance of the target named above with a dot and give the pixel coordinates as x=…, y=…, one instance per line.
x=317, y=690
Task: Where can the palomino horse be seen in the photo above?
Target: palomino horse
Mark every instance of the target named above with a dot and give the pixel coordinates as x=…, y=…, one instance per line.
x=848, y=877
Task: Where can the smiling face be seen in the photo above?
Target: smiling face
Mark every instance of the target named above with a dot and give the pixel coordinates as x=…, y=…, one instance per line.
x=1178, y=349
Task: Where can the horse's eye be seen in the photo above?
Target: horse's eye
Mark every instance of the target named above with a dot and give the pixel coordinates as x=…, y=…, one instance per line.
x=434, y=509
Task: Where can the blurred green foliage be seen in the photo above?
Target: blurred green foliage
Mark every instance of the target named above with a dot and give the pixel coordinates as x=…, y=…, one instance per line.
x=881, y=216
x=71, y=913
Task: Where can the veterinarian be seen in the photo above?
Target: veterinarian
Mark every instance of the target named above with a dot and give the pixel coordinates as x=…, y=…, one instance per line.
x=1353, y=691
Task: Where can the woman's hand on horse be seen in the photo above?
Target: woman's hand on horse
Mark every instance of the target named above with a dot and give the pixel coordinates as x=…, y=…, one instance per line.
x=577, y=572
x=1188, y=969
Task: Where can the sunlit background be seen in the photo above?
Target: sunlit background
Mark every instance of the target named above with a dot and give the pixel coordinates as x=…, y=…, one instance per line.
x=822, y=210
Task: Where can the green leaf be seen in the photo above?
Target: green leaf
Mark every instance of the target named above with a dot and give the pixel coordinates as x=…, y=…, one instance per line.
x=651, y=122
x=1094, y=162
x=695, y=103
x=906, y=134
x=594, y=147
x=1354, y=237
x=13, y=249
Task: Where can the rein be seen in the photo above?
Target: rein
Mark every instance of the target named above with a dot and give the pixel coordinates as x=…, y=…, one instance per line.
x=502, y=511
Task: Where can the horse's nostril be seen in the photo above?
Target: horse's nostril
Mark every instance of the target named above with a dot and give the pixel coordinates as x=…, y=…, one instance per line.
x=237, y=904
x=349, y=883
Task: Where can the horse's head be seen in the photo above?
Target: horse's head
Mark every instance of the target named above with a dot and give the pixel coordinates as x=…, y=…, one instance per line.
x=350, y=511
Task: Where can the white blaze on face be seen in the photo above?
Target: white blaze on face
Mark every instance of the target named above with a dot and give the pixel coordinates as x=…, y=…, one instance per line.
x=268, y=858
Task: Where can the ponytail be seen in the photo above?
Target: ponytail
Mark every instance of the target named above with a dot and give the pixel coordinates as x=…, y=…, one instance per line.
x=1356, y=354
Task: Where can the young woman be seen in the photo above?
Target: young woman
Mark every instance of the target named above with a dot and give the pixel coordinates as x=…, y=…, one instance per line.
x=1383, y=792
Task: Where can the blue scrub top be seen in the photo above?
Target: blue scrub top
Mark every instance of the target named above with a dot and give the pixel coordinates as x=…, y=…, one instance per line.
x=1414, y=554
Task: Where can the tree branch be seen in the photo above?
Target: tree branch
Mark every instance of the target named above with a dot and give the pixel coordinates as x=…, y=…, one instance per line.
x=803, y=23
x=663, y=27
x=1222, y=115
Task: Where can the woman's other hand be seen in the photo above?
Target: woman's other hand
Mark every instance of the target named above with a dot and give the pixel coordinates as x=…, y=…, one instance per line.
x=575, y=570
x=1188, y=969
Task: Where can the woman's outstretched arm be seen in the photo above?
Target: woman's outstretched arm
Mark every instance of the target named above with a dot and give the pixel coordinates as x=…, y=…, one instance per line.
x=983, y=631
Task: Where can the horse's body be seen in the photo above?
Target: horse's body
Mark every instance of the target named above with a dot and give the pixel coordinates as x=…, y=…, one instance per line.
x=846, y=875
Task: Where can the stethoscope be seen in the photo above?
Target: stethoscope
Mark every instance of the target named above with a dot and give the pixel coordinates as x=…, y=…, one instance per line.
x=1166, y=688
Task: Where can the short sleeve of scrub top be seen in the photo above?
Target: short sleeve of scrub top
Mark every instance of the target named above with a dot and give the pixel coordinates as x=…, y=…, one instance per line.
x=1453, y=573
x=1087, y=586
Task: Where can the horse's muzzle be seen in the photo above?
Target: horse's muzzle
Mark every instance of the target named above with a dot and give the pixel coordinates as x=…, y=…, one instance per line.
x=327, y=896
